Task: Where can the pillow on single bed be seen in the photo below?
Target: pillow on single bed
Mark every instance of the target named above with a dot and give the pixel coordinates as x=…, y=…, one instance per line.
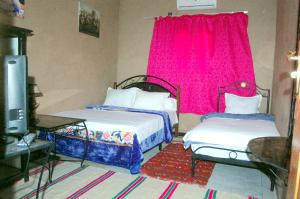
x=150, y=100
x=170, y=104
x=242, y=105
x=120, y=97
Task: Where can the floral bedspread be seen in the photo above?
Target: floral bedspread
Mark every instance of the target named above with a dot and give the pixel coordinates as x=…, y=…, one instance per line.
x=119, y=148
x=119, y=137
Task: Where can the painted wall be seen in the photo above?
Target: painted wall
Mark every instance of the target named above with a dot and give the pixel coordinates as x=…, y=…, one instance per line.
x=286, y=38
x=72, y=69
x=135, y=36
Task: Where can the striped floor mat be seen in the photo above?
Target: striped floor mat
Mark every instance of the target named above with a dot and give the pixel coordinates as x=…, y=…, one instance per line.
x=71, y=181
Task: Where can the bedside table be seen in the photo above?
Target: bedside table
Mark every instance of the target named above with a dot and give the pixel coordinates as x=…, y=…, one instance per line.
x=270, y=150
x=56, y=124
x=273, y=152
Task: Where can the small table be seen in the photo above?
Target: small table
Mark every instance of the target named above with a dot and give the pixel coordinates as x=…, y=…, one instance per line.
x=272, y=151
x=50, y=123
x=12, y=150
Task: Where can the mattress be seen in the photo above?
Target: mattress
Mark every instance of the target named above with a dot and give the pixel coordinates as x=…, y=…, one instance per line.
x=229, y=133
x=141, y=124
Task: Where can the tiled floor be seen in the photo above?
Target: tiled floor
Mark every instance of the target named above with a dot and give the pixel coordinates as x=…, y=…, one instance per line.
x=240, y=180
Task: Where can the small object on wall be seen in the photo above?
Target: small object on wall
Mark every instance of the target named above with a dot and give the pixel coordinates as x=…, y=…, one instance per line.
x=13, y=7
x=196, y=4
x=88, y=20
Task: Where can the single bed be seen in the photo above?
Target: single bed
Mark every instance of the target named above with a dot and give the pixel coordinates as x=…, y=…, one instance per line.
x=223, y=137
x=119, y=135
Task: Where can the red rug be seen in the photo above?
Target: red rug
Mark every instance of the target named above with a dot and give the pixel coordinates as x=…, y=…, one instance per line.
x=175, y=163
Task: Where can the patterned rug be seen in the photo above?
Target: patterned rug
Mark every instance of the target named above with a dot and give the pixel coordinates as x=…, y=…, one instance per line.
x=174, y=163
x=72, y=181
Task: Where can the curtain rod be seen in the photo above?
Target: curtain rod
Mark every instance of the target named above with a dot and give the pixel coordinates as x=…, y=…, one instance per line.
x=170, y=14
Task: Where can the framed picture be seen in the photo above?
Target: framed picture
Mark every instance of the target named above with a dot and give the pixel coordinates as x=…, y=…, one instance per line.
x=13, y=7
x=88, y=20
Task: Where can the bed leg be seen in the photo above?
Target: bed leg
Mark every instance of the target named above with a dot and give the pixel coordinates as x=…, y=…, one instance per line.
x=272, y=179
x=193, y=167
x=272, y=185
x=176, y=133
x=160, y=146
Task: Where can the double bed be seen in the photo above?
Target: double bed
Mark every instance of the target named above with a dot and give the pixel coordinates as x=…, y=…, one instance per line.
x=118, y=133
x=223, y=137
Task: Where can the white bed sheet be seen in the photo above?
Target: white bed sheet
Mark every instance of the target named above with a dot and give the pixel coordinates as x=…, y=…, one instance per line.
x=141, y=124
x=228, y=133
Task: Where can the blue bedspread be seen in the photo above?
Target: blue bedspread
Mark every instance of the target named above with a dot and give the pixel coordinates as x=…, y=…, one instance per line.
x=256, y=116
x=129, y=156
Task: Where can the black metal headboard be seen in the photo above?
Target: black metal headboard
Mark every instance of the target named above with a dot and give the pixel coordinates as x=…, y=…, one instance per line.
x=152, y=84
x=249, y=89
x=148, y=83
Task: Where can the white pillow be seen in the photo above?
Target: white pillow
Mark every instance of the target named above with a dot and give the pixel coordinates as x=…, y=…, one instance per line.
x=170, y=104
x=150, y=100
x=242, y=105
x=120, y=97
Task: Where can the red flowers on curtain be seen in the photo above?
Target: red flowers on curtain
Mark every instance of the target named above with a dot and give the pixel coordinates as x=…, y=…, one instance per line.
x=199, y=53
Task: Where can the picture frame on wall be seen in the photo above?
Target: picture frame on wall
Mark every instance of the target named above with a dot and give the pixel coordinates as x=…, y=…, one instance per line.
x=13, y=7
x=88, y=20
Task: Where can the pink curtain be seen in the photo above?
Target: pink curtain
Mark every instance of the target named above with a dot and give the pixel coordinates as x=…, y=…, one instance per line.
x=200, y=52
